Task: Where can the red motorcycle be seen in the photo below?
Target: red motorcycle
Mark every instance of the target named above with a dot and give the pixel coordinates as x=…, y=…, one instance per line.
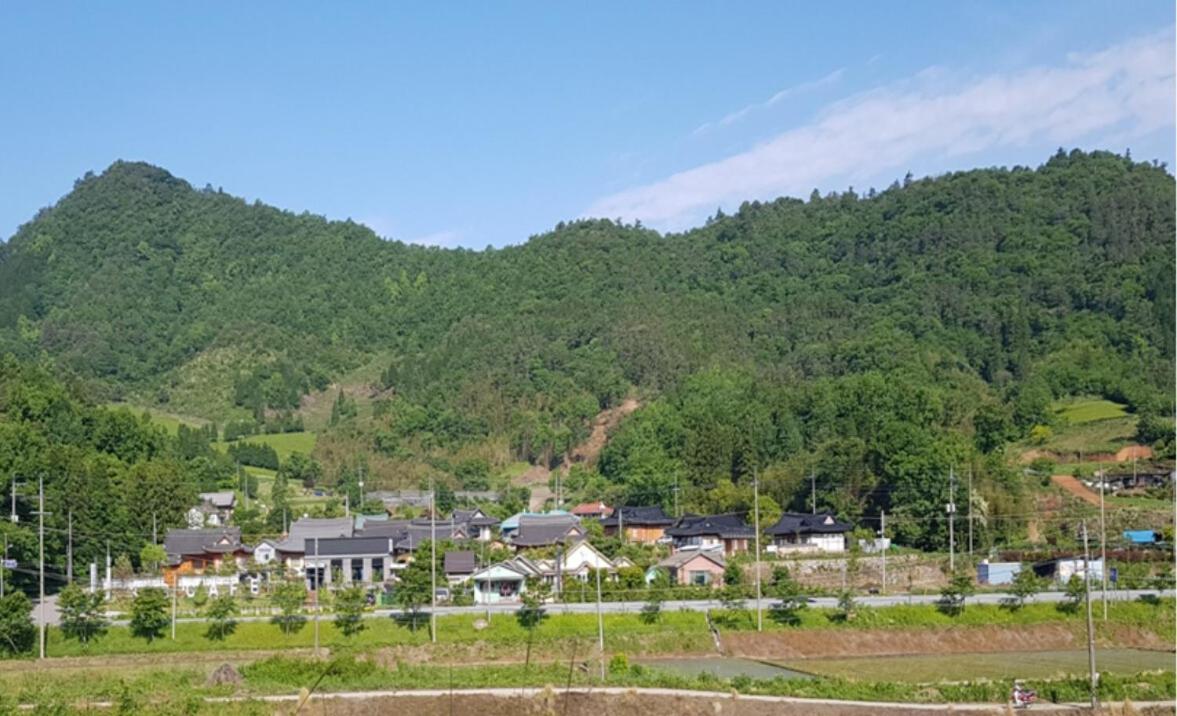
x=1022, y=697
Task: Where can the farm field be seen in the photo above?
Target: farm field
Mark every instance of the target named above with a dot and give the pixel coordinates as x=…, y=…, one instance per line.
x=170, y=422
x=1088, y=410
x=963, y=667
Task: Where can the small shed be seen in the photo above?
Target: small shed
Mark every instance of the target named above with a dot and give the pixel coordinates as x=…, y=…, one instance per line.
x=997, y=572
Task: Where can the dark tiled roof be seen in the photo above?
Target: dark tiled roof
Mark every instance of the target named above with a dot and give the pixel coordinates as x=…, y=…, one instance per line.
x=792, y=523
x=729, y=526
x=537, y=531
x=459, y=562
x=639, y=517
x=215, y=540
x=348, y=546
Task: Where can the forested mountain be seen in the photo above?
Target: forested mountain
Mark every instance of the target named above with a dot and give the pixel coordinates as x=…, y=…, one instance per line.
x=874, y=340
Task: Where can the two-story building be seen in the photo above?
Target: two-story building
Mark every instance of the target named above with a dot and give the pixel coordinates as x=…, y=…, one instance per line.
x=644, y=524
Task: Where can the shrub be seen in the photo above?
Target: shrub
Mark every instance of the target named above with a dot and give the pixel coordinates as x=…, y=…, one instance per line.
x=149, y=613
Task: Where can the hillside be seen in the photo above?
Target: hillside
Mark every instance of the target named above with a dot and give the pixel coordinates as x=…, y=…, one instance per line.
x=874, y=339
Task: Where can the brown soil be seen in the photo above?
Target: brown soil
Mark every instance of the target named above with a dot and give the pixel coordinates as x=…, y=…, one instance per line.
x=824, y=643
x=1138, y=452
x=554, y=702
x=1075, y=488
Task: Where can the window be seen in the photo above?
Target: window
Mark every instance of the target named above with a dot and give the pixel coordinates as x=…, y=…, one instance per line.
x=357, y=569
x=700, y=577
x=377, y=569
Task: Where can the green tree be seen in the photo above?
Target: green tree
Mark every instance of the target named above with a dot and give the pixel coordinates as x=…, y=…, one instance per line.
x=531, y=611
x=847, y=608
x=652, y=610
x=289, y=597
x=17, y=632
x=349, y=610
x=82, y=614
x=221, y=618
x=954, y=595
x=149, y=613
x=151, y=557
x=414, y=587
x=791, y=602
x=1074, y=592
x=1024, y=585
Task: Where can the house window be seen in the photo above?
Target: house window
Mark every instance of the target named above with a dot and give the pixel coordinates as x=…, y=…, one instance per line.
x=357, y=570
x=700, y=577
x=377, y=569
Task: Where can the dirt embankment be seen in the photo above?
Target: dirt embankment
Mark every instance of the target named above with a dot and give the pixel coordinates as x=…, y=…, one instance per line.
x=821, y=643
x=553, y=701
x=1075, y=488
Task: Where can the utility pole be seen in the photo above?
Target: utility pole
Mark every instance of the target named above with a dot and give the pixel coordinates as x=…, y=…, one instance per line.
x=676, y=515
x=69, y=553
x=1090, y=626
x=1103, y=553
x=318, y=585
x=175, y=599
x=600, y=626
x=432, y=561
x=109, y=580
x=970, y=511
x=154, y=530
x=813, y=491
x=883, y=537
x=621, y=522
x=41, y=539
x=15, y=519
x=951, y=509
x=361, y=471
x=5, y=567
x=756, y=526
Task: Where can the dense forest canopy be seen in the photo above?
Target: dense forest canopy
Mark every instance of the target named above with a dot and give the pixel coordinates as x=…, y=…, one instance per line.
x=874, y=340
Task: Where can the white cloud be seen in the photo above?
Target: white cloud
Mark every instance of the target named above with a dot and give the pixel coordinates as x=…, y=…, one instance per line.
x=777, y=98
x=1127, y=89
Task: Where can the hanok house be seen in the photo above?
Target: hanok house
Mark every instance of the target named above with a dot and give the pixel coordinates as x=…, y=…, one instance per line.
x=475, y=524
x=637, y=524
x=801, y=532
x=592, y=510
x=365, y=560
x=695, y=568
x=546, y=531
x=194, y=551
x=459, y=565
x=728, y=532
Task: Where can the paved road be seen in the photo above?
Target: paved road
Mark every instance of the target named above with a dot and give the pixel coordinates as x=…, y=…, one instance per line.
x=706, y=604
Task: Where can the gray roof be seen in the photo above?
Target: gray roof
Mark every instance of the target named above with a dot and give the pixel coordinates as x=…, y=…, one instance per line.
x=681, y=557
x=308, y=528
x=222, y=500
x=218, y=540
x=544, y=530
x=459, y=562
x=652, y=516
x=350, y=547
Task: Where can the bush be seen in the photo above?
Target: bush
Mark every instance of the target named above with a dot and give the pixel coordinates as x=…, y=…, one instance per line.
x=149, y=613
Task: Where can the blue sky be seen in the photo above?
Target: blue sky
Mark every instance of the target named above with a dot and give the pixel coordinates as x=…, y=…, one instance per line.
x=484, y=123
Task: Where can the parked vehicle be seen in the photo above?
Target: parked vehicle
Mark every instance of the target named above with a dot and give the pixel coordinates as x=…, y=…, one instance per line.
x=1021, y=697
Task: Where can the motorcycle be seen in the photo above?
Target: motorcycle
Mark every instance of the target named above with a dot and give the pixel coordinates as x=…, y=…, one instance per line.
x=1021, y=697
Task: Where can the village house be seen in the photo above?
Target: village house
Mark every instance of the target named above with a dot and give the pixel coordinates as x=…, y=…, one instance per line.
x=646, y=525
x=366, y=560
x=195, y=551
x=458, y=565
x=502, y=582
x=802, y=532
x=694, y=568
x=702, y=532
x=546, y=531
x=215, y=509
x=292, y=550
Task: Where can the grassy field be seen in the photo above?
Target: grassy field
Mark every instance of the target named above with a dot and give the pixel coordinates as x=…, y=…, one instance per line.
x=677, y=632
x=285, y=444
x=962, y=667
x=170, y=422
x=1079, y=411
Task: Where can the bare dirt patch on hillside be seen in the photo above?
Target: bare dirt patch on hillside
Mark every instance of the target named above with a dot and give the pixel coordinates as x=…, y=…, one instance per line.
x=1075, y=488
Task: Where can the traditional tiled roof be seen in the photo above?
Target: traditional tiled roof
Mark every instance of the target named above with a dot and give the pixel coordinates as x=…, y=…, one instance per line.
x=651, y=516
x=460, y=562
x=541, y=531
x=792, y=523
x=220, y=500
x=220, y=540
x=310, y=527
x=728, y=526
x=589, y=509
